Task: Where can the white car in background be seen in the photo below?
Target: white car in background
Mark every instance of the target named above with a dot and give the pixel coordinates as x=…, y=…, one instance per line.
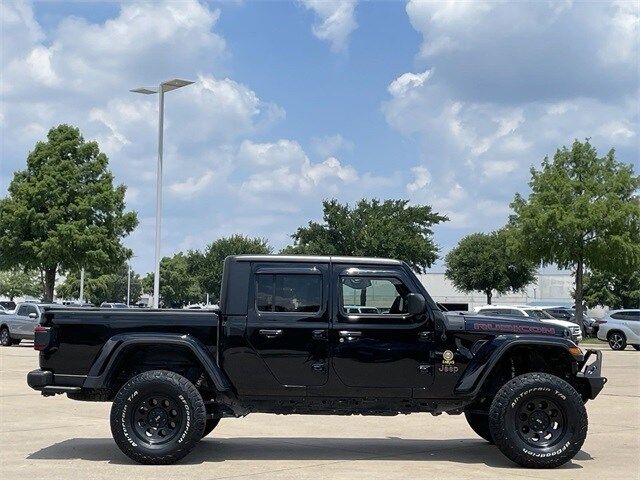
x=526, y=311
x=620, y=328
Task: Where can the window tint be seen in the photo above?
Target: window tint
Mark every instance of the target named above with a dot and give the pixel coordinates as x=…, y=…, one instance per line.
x=289, y=293
x=22, y=311
x=626, y=316
x=373, y=295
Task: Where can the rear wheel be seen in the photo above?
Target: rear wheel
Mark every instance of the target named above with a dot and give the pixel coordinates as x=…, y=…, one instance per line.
x=617, y=341
x=5, y=338
x=538, y=420
x=479, y=423
x=157, y=417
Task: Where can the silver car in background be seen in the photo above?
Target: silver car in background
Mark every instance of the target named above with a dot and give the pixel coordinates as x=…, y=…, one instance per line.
x=20, y=325
x=620, y=328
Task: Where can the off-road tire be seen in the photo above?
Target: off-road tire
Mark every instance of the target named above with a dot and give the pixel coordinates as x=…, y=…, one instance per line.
x=5, y=337
x=479, y=423
x=185, y=410
x=617, y=340
x=539, y=390
x=210, y=425
x=637, y=347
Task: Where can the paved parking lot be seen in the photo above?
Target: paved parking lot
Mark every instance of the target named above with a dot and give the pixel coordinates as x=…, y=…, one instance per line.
x=62, y=439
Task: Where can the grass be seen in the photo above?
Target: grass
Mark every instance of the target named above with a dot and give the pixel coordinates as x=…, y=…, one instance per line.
x=592, y=341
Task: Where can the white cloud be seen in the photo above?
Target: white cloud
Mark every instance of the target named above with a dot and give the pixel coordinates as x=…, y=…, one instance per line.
x=407, y=81
x=336, y=21
x=192, y=185
x=421, y=178
x=498, y=168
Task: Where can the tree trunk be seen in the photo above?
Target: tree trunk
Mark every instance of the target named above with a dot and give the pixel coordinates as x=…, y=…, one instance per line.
x=579, y=294
x=489, y=295
x=49, y=283
x=363, y=297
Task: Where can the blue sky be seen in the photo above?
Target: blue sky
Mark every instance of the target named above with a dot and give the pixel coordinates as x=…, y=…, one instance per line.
x=446, y=103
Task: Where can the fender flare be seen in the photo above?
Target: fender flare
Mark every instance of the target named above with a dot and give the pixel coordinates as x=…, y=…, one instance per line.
x=118, y=345
x=490, y=354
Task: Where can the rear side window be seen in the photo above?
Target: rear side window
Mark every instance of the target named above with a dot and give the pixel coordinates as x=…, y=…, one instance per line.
x=626, y=316
x=288, y=293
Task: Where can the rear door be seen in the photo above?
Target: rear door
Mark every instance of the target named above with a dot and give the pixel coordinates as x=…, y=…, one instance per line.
x=288, y=321
x=381, y=345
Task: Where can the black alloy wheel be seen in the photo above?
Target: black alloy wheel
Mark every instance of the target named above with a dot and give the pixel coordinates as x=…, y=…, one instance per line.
x=617, y=341
x=157, y=417
x=538, y=420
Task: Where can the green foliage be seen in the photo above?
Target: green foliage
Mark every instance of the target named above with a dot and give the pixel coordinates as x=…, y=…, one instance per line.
x=391, y=228
x=207, y=266
x=482, y=262
x=612, y=290
x=63, y=212
x=178, y=287
x=18, y=283
x=583, y=212
x=110, y=286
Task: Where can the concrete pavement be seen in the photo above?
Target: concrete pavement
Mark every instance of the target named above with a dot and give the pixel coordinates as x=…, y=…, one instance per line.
x=62, y=439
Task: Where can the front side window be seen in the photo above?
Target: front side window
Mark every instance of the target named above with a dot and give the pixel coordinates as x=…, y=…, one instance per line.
x=288, y=293
x=373, y=296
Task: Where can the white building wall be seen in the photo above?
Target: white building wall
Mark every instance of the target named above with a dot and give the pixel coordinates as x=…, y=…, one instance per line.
x=549, y=289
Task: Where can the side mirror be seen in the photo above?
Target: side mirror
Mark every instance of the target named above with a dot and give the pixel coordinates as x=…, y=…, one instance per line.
x=416, y=303
x=33, y=315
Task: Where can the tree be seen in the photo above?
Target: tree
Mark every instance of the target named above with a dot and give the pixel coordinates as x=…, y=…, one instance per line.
x=391, y=228
x=63, y=212
x=482, y=262
x=207, y=266
x=103, y=286
x=18, y=283
x=178, y=287
x=583, y=212
x=611, y=290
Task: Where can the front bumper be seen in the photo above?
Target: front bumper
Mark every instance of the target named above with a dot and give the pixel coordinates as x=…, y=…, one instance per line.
x=590, y=377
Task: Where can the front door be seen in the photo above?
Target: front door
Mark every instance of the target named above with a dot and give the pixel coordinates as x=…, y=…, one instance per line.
x=375, y=342
x=288, y=321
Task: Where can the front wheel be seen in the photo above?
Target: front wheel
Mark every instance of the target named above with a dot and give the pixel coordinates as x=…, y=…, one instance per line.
x=5, y=338
x=617, y=341
x=538, y=420
x=157, y=417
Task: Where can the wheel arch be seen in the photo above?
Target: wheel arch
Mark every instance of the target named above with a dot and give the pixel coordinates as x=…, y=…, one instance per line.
x=120, y=350
x=500, y=361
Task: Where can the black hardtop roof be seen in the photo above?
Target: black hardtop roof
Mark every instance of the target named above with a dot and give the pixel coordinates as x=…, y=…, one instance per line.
x=315, y=259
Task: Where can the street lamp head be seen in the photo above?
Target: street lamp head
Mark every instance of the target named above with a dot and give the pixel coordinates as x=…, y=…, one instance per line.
x=174, y=84
x=145, y=90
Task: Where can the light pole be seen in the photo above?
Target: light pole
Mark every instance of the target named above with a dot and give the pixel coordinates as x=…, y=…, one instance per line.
x=128, y=282
x=161, y=89
x=81, y=285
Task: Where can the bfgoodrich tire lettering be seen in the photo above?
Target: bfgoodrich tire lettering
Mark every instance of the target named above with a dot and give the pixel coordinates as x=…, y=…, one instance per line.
x=538, y=420
x=157, y=417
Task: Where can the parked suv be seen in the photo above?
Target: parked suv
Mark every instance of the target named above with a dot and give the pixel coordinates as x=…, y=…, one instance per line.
x=620, y=328
x=20, y=325
x=531, y=312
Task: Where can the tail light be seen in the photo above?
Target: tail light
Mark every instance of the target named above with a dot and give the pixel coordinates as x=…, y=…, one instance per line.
x=42, y=337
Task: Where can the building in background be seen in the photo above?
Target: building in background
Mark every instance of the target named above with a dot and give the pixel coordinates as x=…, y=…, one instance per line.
x=550, y=288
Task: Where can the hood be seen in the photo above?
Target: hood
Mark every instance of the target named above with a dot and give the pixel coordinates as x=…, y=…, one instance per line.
x=502, y=325
x=560, y=323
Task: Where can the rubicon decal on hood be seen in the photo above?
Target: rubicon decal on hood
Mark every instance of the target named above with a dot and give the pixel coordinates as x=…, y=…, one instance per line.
x=513, y=328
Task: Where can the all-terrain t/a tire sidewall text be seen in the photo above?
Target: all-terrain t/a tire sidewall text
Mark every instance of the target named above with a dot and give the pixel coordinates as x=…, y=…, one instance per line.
x=182, y=393
x=518, y=391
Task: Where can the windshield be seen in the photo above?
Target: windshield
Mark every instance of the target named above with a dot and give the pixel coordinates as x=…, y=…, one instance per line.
x=538, y=314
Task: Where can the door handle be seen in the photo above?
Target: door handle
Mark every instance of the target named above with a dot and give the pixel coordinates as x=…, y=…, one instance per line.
x=349, y=335
x=271, y=333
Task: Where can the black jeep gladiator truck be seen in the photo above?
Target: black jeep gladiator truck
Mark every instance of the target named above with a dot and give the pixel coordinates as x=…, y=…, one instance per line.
x=319, y=335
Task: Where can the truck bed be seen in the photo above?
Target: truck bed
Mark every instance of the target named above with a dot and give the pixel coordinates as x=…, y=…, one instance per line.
x=81, y=333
